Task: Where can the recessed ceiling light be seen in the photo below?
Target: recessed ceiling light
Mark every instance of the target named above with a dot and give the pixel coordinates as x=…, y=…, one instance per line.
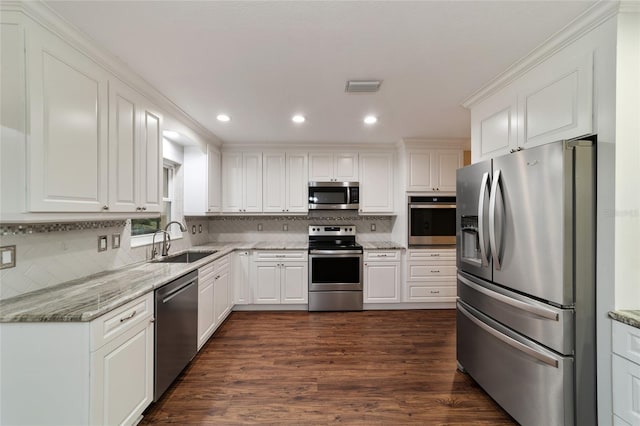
x=223, y=117
x=371, y=119
x=298, y=118
x=170, y=134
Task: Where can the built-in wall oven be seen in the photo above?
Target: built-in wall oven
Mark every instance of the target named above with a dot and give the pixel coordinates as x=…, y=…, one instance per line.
x=335, y=269
x=432, y=220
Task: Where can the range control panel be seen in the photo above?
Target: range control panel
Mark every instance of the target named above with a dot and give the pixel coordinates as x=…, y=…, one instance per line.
x=332, y=230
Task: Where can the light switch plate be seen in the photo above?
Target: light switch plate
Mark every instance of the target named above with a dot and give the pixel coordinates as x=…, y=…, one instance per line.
x=285, y=227
x=373, y=227
x=259, y=227
x=102, y=243
x=115, y=241
x=7, y=257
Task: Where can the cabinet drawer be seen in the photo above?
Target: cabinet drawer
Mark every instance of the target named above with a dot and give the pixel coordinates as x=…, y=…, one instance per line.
x=420, y=271
x=432, y=254
x=420, y=292
x=111, y=325
x=381, y=255
x=206, y=269
x=270, y=256
x=626, y=341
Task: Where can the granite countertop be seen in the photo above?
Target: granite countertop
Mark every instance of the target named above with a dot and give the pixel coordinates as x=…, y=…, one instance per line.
x=87, y=298
x=629, y=317
x=381, y=245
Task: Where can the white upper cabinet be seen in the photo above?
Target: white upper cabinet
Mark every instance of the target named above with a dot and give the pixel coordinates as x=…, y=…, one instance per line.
x=551, y=102
x=433, y=170
x=376, y=182
x=68, y=101
x=242, y=182
x=333, y=167
x=285, y=183
x=202, y=177
x=151, y=153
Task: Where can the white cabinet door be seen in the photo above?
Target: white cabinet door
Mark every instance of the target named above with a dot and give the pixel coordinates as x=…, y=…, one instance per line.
x=124, y=148
x=447, y=162
x=252, y=181
x=294, y=278
x=321, y=167
x=382, y=282
x=626, y=389
x=206, y=315
x=68, y=102
x=419, y=170
x=297, y=184
x=494, y=125
x=214, y=199
x=346, y=167
x=232, y=182
x=122, y=377
x=151, y=160
x=376, y=183
x=221, y=295
x=266, y=278
x=274, y=182
x=240, y=278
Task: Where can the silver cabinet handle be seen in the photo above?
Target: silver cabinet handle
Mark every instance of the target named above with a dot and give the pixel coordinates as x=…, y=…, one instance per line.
x=495, y=252
x=524, y=306
x=133, y=314
x=483, y=249
x=434, y=291
x=434, y=254
x=435, y=272
x=509, y=341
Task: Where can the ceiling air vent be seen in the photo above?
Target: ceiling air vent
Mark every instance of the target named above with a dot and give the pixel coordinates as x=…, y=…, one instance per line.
x=362, y=86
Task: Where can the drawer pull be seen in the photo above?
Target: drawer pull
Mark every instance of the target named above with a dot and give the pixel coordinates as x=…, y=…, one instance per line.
x=133, y=314
x=280, y=255
x=435, y=272
x=434, y=254
x=435, y=292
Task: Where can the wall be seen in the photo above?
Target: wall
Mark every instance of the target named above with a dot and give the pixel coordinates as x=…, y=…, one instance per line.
x=245, y=228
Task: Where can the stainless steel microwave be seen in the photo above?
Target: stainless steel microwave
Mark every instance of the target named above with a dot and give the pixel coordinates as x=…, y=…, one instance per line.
x=432, y=220
x=334, y=195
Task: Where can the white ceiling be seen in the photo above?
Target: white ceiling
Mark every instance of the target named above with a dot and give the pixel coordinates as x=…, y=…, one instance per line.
x=261, y=62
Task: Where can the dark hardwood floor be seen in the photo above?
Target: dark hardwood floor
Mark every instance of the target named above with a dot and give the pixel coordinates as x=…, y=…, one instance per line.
x=384, y=367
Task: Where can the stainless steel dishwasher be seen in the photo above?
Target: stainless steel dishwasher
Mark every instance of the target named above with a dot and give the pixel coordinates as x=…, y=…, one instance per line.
x=176, y=329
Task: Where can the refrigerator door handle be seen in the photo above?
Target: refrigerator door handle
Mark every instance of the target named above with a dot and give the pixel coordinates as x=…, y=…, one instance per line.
x=509, y=341
x=495, y=251
x=536, y=310
x=483, y=250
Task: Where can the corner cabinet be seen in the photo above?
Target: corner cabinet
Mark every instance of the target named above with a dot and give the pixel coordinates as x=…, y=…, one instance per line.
x=280, y=277
x=381, y=276
x=242, y=182
x=376, y=182
x=333, y=167
x=202, y=180
x=98, y=372
x=433, y=170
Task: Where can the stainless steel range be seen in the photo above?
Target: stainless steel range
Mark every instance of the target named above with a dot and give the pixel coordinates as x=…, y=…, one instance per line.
x=335, y=268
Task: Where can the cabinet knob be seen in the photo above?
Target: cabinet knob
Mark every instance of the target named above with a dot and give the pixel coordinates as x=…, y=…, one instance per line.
x=105, y=207
x=144, y=208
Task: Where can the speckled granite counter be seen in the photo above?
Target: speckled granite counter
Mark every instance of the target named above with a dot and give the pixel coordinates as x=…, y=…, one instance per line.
x=381, y=245
x=87, y=298
x=629, y=317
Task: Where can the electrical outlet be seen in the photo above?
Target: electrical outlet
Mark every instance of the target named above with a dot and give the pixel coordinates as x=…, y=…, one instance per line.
x=373, y=227
x=102, y=243
x=200, y=229
x=259, y=227
x=7, y=257
x=115, y=241
x=285, y=227
x=193, y=229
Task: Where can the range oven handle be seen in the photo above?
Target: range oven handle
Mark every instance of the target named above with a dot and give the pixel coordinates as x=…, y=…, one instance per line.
x=533, y=309
x=509, y=341
x=483, y=249
x=336, y=252
x=432, y=206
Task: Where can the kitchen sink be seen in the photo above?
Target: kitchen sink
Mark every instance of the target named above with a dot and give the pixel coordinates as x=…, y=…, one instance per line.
x=186, y=257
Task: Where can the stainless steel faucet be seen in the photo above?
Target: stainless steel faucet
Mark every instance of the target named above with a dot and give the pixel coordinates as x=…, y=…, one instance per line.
x=154, y=252
x=166, y=240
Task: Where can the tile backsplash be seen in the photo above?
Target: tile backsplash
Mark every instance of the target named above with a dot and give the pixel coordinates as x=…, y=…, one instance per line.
x=49, y=254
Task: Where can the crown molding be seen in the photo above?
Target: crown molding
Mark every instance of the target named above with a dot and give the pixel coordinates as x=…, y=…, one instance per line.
x=308, y=147
x=52, y=21
x=585, y=22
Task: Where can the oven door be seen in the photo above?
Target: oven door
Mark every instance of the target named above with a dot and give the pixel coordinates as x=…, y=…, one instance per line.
x=432, y=224
x=335, y=270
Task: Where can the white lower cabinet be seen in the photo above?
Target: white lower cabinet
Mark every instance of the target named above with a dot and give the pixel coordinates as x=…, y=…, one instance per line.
x=215, y=297
x=626, y=374
x=382, y=276
x=240, y=278
x=431, y=275
x=279, y=277
x=98, y=372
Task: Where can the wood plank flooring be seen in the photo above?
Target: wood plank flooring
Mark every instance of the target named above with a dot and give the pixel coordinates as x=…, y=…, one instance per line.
x=373, y=367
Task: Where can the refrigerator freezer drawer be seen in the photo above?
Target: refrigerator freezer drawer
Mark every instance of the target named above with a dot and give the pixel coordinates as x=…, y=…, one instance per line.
x=533, y=384
x=550, y=326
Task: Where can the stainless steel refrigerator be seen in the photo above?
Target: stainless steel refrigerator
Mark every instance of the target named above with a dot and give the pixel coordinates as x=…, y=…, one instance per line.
x=526, y=281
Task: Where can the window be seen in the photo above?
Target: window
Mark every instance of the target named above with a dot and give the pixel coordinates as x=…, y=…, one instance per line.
x=142, y=230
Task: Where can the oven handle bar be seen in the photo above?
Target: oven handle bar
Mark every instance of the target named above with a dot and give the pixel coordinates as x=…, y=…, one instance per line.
x=335, y=252
x=432, y=206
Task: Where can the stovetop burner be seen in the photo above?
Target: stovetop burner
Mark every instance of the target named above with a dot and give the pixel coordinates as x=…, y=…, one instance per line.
x=326, y=237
